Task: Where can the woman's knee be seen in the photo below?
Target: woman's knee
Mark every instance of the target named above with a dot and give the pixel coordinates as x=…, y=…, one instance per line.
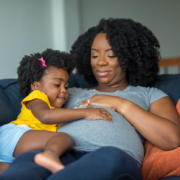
x=112, y=154
x=124, y=165
x=119, y=161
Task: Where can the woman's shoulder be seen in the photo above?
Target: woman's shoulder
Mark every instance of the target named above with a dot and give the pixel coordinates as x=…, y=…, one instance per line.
x=144, y=89
x=151, y=93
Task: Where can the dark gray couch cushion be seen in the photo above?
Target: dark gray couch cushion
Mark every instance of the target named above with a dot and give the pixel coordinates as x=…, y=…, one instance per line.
x=170, y=84
x=10, y=100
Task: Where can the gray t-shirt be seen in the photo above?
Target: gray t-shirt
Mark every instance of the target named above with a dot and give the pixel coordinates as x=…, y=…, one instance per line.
x=90, y=135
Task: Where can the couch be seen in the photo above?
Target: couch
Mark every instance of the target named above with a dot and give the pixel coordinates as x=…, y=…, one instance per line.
x=10, y=99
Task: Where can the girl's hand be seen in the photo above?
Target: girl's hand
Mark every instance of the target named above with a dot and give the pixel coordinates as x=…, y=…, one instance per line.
x=97, y=113
x=101, y=100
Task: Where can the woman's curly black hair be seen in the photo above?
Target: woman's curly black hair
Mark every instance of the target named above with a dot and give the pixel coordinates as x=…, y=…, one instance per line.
x=30, y=68
x=134, y=44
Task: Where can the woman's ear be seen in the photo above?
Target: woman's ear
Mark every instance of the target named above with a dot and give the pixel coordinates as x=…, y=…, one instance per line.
x=34, y=85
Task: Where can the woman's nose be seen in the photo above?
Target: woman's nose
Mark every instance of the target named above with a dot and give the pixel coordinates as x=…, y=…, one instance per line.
x=102, y=61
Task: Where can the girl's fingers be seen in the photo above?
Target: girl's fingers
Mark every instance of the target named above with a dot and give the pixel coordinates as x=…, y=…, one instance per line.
x=106, y=115
x=106, y=112
x=106, y=118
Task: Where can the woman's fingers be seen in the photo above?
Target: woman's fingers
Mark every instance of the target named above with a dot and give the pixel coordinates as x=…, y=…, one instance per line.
x=101, y=100
x=83, y=103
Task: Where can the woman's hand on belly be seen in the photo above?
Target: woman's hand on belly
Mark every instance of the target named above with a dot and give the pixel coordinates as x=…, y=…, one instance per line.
x=101, y=100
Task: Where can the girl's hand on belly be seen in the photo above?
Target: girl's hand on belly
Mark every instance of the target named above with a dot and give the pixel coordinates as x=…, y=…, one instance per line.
x=97, y=114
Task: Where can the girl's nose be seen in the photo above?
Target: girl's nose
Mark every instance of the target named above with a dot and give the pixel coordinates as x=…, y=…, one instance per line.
x=63, y=90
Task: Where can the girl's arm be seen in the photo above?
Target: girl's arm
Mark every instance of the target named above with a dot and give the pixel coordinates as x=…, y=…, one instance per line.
x=160, y=125
x=43, y=113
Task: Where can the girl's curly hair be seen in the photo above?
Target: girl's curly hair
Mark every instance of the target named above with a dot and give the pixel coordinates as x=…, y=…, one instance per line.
x=134, y=44
x=30, y=68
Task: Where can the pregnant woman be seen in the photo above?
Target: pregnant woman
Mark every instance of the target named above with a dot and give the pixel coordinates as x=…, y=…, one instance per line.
x=121, y=57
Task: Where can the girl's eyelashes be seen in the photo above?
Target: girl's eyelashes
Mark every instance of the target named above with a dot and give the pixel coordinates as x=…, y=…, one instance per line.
x=57, y=85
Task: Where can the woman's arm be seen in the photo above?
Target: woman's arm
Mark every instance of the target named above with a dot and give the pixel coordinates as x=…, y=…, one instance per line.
x=160, y=125
x=46, y=115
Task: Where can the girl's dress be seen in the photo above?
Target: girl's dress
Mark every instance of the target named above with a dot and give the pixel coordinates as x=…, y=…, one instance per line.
x=12, y=132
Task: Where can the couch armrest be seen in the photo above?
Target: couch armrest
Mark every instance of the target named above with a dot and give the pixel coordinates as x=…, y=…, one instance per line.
x=10, y=101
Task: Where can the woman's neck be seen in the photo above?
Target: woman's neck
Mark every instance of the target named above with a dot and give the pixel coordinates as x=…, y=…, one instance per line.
x=112, y=88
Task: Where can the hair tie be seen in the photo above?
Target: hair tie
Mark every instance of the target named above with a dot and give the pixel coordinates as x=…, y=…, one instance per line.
x=43, y=62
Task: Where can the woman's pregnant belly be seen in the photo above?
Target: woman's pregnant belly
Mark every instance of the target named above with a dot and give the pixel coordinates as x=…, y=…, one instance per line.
x=90, y=135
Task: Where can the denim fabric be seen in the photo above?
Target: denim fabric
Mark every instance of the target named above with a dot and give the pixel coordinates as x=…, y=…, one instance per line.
x=171, y=178
x=107, y=163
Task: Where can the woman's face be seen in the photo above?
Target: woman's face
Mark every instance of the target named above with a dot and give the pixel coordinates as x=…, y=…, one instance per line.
x=105, y=65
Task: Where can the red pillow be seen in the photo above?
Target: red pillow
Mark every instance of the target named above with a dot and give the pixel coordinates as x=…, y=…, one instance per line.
x=178, y=106
x=158, y=163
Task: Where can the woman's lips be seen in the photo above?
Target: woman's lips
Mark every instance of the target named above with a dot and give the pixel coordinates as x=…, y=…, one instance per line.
x=103, y=73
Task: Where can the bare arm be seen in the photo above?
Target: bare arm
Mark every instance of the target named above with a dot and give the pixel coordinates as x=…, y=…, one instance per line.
x=58, y=115
x=160, y=125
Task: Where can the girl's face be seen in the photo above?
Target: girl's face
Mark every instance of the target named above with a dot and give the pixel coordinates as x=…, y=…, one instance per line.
x=54, y=84
x=105, y=65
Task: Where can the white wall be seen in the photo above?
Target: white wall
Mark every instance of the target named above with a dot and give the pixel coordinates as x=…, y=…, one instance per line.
x=72, y=21
x=28, y=26
x=162, y=17
x=58, y=24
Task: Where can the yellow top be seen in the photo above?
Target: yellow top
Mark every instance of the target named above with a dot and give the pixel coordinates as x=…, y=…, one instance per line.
x=27, y=118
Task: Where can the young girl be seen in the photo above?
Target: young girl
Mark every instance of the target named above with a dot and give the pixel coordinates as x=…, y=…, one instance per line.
x=43, y=82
